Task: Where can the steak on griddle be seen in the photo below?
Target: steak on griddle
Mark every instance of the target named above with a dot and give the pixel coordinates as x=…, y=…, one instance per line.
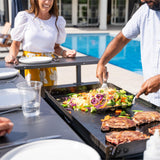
x=152, y=129
x=146, y=117
x=117, y=123
x=125, y=136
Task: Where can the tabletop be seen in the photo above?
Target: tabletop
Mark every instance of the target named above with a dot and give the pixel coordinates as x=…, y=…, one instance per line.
x=60, y=62
x=82, y=60
x=31, y=128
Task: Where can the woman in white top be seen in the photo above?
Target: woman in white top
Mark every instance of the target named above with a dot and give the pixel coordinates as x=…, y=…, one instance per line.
x=41, y=32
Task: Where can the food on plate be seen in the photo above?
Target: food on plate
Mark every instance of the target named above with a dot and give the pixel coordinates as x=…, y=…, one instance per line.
x=116, y=123
x=146, y=117
x=125, y=136
x=98, y=99
x=152, y=129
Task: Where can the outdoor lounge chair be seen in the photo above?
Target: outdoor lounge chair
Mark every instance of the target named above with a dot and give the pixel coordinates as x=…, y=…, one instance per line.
x=5, y=38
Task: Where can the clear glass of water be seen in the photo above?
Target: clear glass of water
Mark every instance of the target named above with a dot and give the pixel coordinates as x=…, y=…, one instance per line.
x=30, y=93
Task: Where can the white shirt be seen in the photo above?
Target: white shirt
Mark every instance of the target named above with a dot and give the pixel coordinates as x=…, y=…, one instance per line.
x=38, y=35
x=146, y=22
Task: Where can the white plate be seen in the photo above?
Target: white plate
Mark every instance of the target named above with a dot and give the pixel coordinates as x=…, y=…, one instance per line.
x=55, y=149
x=9, y=98
x=8, y=73
x=32, y=60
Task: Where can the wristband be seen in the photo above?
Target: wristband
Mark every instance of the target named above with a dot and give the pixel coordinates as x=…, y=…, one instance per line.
x=61, y=53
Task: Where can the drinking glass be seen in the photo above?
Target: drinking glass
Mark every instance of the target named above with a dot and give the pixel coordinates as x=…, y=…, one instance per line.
x=30, y=92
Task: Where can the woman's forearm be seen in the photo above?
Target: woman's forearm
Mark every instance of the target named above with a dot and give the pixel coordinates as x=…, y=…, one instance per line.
x=59, y=51
x=14, y=49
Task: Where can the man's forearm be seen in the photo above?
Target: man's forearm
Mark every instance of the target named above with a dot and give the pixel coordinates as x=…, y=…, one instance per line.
x=159, y=80
x=114, y=47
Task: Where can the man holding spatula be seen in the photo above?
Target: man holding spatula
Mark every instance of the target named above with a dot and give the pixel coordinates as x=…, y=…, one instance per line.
x=146, y=22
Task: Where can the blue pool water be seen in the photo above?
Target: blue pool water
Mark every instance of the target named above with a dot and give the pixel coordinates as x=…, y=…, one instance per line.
x=95, y=44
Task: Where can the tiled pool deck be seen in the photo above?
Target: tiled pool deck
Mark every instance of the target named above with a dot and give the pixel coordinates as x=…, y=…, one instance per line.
x=125, y=79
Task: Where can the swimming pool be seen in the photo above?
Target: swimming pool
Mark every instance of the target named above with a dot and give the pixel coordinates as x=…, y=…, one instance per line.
x=94, y=45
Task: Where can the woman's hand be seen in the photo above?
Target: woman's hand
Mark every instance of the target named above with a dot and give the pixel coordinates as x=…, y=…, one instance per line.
x=149, y=86
x=64, y=53
x=6, y=126
x=70, y=53
x=14, y=49
x=10, y=59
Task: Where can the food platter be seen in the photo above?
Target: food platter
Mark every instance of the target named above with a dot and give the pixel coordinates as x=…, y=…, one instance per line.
x=88, y=124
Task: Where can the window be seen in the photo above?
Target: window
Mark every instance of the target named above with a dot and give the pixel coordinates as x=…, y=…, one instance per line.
x=1, y=12
x=65, y=10
x=118, y=11
x=88, y=12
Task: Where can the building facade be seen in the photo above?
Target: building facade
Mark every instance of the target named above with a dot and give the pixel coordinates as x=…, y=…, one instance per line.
x=84, y=13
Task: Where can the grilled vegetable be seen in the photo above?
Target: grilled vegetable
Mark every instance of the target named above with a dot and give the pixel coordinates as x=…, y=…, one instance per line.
x=98, y=99
x=118, y=111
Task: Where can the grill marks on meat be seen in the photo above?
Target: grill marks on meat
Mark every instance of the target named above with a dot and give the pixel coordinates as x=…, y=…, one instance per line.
x=125, y=136
x=152, y=129
x=120, y=137
x=146, y=117
x=117, y=123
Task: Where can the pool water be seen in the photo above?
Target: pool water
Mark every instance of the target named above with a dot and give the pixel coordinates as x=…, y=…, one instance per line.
x=94, y=45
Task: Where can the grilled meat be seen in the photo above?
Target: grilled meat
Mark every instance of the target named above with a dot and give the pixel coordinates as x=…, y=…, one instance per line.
x=146, y=117
x=125, y=136
x=152, y=129
x=117, y=123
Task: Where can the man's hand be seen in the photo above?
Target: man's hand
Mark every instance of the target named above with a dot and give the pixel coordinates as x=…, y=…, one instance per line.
x=101, y=73
x=149, y=86
x=113, y=48
x=5, y=126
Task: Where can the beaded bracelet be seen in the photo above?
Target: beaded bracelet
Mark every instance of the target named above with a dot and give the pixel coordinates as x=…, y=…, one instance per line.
x=61, y=53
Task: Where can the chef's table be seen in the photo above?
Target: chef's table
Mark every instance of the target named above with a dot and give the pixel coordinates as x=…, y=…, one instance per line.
x=47, y=124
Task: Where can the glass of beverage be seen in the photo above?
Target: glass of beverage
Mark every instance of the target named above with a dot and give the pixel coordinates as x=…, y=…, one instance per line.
x=30, y=92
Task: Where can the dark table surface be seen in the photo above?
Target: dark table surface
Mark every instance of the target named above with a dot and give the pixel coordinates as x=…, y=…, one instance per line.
x=47, y=124
x=83, y=60
x=62, y=62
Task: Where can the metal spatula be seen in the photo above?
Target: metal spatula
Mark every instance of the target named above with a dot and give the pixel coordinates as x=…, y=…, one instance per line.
x=104, y=84
x=134, y=99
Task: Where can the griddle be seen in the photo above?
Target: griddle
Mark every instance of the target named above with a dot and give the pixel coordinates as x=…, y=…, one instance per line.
x=88, y=125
